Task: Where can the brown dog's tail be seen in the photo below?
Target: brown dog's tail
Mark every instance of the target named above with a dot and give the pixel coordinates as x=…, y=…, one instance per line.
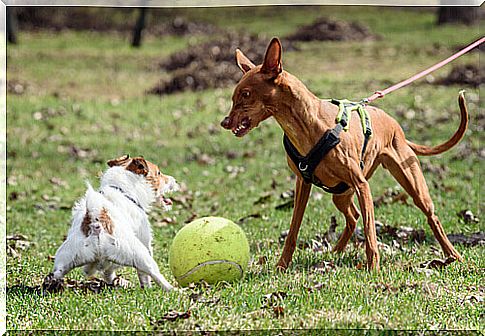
x=460, y=132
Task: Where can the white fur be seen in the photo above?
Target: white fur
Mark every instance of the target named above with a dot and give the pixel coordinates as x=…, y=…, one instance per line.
x=130, y=243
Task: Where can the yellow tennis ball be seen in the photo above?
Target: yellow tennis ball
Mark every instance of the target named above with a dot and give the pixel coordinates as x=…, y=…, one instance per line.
x=212, y=249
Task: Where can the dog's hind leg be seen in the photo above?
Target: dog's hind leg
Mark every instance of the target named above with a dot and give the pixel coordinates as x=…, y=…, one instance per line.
x=133, y=253
x=403, y=164
x=109, y=273
x=364, y=195
x=90, y=269
x=345, y=204
x=70, y=255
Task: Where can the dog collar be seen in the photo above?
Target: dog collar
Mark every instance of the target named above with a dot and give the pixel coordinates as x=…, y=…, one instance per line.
x=127, y=196
x=306, y=165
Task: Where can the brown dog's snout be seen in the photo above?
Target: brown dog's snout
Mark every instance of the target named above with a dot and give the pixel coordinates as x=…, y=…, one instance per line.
x=226, y=123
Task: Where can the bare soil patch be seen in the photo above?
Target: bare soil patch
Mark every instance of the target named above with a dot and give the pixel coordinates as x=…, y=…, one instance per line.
x=324, y=29
x=211, y=64
x=468, y=74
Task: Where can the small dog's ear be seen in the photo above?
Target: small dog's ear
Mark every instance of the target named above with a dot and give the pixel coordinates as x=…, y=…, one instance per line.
x=121, y=161
x=272, y=59
x=138, y=166
x=243, y=62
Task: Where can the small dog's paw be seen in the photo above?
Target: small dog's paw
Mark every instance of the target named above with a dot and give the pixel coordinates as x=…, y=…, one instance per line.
x=169, y=288
x=52, y=284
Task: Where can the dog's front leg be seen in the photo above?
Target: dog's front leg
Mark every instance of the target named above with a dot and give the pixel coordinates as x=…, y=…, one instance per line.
x=302, y=191
x=145, y=280
x=367, y=208
x=146, y=239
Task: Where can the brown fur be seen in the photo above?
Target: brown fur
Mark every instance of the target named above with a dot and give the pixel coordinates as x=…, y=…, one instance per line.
x=266, y=90
x=104, y=219
x=85, y=228
x=140, y=166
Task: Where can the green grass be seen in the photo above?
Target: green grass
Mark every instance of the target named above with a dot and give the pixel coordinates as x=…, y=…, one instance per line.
x=94, y=85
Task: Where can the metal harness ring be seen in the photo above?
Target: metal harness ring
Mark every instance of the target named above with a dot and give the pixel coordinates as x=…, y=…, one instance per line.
x=302, y=169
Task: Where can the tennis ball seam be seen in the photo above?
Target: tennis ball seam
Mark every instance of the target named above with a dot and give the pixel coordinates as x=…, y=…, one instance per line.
x=211, y=262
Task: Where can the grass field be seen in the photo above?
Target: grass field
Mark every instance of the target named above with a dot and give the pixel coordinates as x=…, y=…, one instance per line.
x=85, y=103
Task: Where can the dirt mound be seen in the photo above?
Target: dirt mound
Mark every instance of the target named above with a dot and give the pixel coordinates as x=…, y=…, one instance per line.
x=15, y=86
x=221, y=50
x=199, y=75
x=480, y=48
x=324, y=29
x=211, y=64
x=468, y=74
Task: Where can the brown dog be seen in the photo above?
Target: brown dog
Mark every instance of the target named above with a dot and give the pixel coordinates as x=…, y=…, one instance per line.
x=266, y=90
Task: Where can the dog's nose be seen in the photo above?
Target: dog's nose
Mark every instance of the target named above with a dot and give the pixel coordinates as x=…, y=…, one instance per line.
x=226, y=123
x=174, y=186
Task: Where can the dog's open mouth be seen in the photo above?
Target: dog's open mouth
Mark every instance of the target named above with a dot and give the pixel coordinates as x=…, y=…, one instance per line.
x=243, y=128
x=166, y=201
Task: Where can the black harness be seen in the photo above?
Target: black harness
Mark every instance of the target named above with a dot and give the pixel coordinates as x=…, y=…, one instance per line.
x=306, y=165
x=126, y=195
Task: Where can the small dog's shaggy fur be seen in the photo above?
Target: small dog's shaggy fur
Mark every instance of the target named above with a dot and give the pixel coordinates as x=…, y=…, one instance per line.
x=110, y=227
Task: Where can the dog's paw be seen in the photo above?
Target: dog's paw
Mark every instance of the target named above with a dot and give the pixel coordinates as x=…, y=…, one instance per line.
x=52, y=284
x=281, y=266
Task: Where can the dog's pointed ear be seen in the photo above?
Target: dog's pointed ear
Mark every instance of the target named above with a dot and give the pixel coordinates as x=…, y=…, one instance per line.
x=121, y=161
x=243, y=62
x=138, y=166
x=272, y=59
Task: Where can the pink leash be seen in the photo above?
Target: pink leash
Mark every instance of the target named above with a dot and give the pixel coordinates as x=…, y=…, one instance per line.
x=380, y=94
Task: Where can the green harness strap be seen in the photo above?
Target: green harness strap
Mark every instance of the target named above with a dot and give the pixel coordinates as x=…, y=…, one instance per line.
x=345, y=109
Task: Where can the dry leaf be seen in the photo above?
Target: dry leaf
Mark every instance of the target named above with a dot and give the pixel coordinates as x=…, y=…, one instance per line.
x=58, y=182
x=288, y=194
x=324, y=267
x=273, y=299
x=16, y=243
x=391, y=195
x=468, y=216
x=287, y=205
x=474, y=298
x=316, y=287
x=248, y=217
x=437, y=263
x=265, y=197
x=174, y=316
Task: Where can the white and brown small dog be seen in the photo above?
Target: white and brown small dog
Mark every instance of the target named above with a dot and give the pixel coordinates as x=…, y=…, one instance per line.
x=110, y=227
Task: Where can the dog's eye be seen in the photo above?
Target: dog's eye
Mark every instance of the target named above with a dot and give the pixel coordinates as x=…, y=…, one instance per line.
x=245, y=94
x=159, y=172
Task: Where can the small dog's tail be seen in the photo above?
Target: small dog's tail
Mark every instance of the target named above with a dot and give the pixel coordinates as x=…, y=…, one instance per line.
x=94, y=200
x=97, y=218
x=427, y=151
